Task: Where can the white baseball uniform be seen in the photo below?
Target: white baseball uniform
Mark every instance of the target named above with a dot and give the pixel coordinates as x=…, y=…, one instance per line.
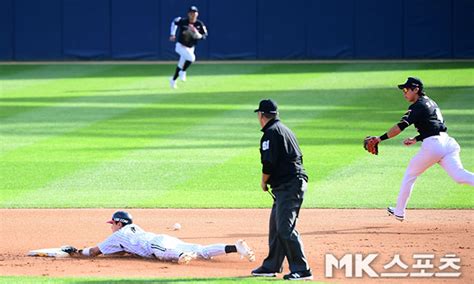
x=135, y=240
x=437, y=147
x=185, y=54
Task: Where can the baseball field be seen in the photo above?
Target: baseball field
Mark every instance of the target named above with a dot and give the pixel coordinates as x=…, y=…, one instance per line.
x=80, y=140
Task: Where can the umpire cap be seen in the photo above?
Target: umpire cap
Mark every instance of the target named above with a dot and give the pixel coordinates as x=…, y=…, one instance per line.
x=193, y=9
x=267, y=106
x=122, y=217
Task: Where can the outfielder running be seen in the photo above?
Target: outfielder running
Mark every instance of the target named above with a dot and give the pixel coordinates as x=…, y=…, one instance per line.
x=130, y=238
x=437, y=146
x=188, y=30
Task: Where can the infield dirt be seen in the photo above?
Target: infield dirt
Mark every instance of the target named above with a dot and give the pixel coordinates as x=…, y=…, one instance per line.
x=335, y=231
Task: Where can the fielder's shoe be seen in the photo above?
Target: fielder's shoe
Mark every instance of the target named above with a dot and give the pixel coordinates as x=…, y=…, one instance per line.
x=173, y=84
x=182, y=76
x=391, y=212
x=186, y=257
x=263, y=272
x=300, y=275
x=244, y=250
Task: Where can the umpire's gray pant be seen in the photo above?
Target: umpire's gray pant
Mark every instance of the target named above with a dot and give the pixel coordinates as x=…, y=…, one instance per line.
x=283, y=239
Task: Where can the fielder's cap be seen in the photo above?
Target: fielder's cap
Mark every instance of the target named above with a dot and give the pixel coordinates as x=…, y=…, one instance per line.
x=193, y=9
x=122, y=217
x=412, y=82
x=267, y=106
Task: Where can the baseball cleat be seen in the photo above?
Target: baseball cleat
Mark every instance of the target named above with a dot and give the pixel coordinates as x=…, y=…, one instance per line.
x=300, y=275
x=391, y=212
x=186, y=257
x=182, y=76
x=173, y=84
x=244, y=250
x=263, y=272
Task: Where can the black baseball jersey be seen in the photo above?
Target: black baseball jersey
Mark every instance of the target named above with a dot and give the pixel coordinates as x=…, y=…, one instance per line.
x=183, y=25
x=281, y=156
x=426, y=116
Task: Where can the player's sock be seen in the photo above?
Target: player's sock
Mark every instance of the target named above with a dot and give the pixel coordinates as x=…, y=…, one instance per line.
x=210, y=251
x=186, y=65
x=176, y=73
x=230, y=248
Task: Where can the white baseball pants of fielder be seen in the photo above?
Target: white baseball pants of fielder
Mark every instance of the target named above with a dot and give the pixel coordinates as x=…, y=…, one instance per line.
x=441, y=149
x=185, y=54
x=169, y=248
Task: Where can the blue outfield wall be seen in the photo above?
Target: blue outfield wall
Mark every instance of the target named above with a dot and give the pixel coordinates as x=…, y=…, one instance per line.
x=87, y=29
x=37, y=30
x=243, y=29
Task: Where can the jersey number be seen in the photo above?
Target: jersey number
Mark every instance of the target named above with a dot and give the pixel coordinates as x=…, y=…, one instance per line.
x=437, y=111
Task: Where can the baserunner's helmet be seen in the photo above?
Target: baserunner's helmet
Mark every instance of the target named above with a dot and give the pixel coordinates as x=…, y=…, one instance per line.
x=121, y=216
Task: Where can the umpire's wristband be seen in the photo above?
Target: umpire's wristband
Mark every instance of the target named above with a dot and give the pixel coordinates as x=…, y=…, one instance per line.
x=384, y=137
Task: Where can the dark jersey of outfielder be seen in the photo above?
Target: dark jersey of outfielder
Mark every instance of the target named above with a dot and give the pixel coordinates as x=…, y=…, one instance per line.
x=281, y=156
x=182, y=25
x=426, y=116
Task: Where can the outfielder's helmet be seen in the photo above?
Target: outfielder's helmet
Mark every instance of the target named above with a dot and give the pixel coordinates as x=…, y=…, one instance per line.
x=121, y=216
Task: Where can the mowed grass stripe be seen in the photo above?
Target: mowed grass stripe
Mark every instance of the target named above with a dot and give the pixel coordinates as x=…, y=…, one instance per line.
x=138, y=129
x=215, y=171
x=17, y=80
x=30, y=166
x=148, y=171
x=63, y=105
x=113, y=175
x=141, y=280
x=38, y=84
x=323, y=160
x=326, y=105
x=241, y=188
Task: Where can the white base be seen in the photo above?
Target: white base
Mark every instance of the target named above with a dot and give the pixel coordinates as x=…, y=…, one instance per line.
x=48, y=252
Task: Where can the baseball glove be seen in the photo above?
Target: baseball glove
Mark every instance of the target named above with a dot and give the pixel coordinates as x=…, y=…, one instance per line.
x=69, y=249
x=186, y=257
x=191, y=32
x=371, y=144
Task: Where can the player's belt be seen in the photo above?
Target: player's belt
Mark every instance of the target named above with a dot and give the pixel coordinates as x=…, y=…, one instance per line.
x=434, y=134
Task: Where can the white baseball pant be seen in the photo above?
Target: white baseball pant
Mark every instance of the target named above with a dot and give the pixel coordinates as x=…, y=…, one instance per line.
x=441, y=149
x=168, y=248
x=185, y=54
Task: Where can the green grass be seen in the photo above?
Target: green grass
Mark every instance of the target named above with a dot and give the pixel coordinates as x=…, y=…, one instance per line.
x=117, y=136
x=27, y=280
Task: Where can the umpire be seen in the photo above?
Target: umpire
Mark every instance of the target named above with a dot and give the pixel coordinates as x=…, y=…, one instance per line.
x=282, y=169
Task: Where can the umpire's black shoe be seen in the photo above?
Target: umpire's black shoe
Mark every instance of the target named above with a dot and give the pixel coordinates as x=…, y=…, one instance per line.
x=264, y=272
x=391, y=211
x=300, y=275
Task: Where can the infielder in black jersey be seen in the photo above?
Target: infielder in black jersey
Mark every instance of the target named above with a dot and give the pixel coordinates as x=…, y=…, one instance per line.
x=437, y=146
x=282, y=169
x=188, y=31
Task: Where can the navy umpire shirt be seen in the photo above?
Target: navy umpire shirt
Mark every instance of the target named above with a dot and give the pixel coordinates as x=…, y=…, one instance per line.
x=280, y=154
